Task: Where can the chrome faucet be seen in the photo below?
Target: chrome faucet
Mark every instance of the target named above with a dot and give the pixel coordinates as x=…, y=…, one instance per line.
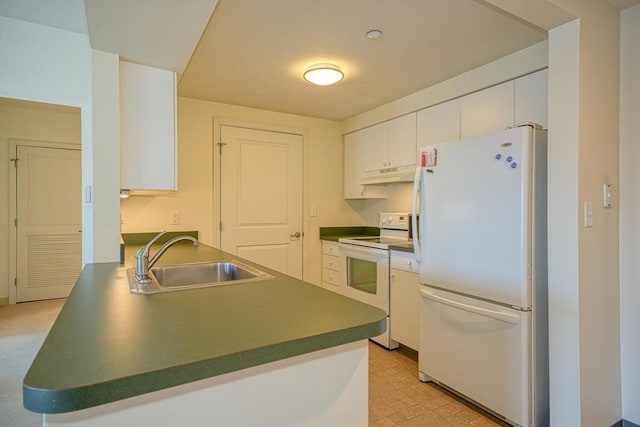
x=143, y=263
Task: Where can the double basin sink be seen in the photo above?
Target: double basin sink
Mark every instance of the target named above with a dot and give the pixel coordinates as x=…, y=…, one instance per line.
x=195, y=275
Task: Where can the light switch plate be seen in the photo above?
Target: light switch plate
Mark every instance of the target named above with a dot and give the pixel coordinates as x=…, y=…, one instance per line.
x=606, y=195
x=588, y=215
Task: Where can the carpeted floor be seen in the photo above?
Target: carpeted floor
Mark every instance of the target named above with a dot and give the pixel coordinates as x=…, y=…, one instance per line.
x=23, y=328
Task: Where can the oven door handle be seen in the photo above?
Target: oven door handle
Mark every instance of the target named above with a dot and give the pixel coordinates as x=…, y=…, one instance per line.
x=347, y=249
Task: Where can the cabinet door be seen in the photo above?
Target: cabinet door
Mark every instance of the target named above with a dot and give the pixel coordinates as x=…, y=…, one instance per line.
x=489, y=110
x=401, y=145
x=531, y=98
x=147, y=128
x=353, y=165
x=375, y=147
x=354, y=170
x=405, y=308
x=440, y=123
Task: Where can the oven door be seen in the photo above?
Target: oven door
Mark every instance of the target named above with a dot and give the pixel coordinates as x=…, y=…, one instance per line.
x=365, y=275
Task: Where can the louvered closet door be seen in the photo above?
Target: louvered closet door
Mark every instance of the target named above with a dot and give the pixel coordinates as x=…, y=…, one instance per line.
x=49, y=236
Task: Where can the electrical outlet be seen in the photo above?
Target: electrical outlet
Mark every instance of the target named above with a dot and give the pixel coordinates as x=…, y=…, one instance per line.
x=175, y=218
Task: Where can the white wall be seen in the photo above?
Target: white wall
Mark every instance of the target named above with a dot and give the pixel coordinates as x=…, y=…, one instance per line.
x=104, y=160
x=630, y=213
x=583, y=262
x=322, y=171
x=44, y=64
x=562, y=202
x=27, y=121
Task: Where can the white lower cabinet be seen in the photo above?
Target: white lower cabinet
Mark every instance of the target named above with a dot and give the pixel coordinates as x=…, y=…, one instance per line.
x=405, y=299
x=330, y=266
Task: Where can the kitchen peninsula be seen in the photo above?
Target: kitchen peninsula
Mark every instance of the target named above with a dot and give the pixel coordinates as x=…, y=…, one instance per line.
x=274, y=352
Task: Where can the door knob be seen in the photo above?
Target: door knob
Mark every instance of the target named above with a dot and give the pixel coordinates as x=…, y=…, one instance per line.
x=296, y=235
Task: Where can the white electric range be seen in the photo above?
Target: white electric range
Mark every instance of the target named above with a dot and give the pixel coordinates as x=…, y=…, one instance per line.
x=364, y=266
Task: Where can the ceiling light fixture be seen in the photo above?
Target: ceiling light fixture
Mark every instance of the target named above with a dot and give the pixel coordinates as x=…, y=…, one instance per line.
x=323, y=74
x=374, y=34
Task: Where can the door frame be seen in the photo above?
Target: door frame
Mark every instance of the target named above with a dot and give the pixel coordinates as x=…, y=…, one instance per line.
x=12, y=202
x=218, y=122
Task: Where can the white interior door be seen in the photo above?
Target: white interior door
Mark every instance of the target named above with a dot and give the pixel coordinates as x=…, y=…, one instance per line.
x=261, y=197
x=49, y=221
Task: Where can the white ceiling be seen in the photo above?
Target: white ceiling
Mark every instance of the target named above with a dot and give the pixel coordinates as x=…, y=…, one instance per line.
x=62, y=14
x=253, y=52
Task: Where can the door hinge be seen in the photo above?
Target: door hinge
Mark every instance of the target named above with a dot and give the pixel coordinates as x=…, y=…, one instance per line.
x=220, y=227
x=15, y=222
x=221, y=145
x=15, y=282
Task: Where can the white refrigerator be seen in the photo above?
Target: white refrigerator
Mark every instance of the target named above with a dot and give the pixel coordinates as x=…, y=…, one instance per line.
x=483, y=271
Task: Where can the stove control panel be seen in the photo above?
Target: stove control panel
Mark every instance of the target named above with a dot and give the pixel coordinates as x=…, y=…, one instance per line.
x=394, y=221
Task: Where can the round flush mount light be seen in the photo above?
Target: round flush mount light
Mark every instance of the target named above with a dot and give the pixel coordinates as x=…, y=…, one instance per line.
x=323, y=74
x=374, y=34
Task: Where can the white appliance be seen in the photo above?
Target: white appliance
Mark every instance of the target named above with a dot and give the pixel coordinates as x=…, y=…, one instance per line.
x=483, y=271
x=365, y=266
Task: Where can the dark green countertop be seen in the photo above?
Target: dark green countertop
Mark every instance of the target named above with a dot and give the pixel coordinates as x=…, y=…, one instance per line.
x=108, y=344
x=334, y=233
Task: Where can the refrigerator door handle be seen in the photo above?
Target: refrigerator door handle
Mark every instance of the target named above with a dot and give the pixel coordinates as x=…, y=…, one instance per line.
x=494, y=314
x=417, y=185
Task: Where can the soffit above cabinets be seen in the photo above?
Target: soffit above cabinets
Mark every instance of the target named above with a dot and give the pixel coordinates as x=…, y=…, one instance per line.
x=158, y=33
x=161, y=34
x=65, y=15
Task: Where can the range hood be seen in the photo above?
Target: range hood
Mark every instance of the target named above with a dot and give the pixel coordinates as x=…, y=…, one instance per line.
x=389, y=175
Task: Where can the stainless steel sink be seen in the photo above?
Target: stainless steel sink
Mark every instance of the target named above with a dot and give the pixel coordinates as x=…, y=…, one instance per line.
x=195, y=275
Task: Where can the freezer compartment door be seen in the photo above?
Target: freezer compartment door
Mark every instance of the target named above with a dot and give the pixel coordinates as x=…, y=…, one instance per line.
x=480, y=350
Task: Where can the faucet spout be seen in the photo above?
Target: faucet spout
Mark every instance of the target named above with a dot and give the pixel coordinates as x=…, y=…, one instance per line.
x=142, y=256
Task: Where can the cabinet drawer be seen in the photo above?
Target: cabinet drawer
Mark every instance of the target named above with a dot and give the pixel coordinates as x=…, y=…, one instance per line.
x=331, y=287
x=331, y=262
x=404, y=261
x=331, y=276
x=330, y=248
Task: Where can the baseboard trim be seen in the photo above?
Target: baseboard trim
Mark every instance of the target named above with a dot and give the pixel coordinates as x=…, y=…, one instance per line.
x=4, y=301
x=625, y=423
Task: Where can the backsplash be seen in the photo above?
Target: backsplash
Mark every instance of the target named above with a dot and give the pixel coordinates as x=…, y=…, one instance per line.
x=398, y=200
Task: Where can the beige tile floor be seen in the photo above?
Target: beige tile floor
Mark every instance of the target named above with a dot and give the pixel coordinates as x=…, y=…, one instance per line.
x=398, y=398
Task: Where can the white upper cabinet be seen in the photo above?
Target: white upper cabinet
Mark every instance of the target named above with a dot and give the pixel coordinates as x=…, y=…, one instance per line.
x=375, y=146
x=148, y=148
x=354, y=170
x=402, y=141
x=439, y=123
x=531, y=98
x=489, y=110
x=390, y=144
